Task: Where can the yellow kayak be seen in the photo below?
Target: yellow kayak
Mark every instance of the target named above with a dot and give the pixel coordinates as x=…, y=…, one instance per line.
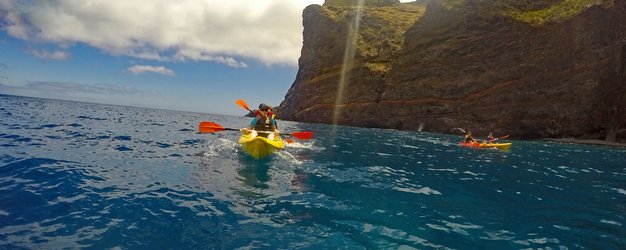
x=259, y=146
x=502, y=146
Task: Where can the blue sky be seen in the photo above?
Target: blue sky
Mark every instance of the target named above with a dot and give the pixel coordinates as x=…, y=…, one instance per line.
x=194, y=55
x=191, y=55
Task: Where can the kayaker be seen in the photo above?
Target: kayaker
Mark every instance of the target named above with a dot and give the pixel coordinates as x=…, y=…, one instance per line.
x=469, y=138
x=272, y=115
x=490, y=138
x=263, y=121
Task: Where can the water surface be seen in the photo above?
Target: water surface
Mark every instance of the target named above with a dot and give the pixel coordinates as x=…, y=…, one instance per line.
x=81, y=175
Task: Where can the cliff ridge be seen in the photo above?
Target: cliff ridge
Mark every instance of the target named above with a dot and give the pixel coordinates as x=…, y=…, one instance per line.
x=531, y=69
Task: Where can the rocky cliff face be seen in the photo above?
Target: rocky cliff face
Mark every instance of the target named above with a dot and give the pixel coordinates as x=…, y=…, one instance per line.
x=532, y=70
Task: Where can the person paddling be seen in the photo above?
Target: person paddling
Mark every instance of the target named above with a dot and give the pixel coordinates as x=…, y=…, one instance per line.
x=469, y=138
x=490, y=138
x=263, y=121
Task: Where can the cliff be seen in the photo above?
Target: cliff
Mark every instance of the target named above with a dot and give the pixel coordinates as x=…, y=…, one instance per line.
x=531, y=69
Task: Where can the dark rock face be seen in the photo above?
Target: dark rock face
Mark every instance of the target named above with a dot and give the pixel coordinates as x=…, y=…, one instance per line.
x=467, y=66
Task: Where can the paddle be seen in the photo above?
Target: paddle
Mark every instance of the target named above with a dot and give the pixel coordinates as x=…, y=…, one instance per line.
x=501, y=137
x=211, y=127
x=244, y=105
x=460, y=129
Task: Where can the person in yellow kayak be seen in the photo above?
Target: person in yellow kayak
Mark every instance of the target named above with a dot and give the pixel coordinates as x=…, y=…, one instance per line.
x=490, y=138
x=271, y=113
x=263, y=121
x=469, y=138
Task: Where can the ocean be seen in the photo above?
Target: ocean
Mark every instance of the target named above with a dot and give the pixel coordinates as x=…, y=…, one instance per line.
x=95, y=176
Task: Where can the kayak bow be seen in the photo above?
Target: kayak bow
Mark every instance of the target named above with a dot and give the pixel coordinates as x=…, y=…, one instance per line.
x=259, y=146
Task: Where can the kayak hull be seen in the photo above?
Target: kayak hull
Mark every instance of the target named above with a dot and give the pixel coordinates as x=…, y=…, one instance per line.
x=259, y=146
x=502, y=146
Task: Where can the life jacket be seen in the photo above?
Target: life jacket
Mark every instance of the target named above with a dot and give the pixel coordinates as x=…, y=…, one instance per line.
x=269, y=114
x=468, y=138
x=264, y=124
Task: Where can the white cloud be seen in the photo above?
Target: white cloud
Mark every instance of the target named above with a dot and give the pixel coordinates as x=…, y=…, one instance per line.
x=94, y=93
x=183, y=55
x=41, y=88
x=47, y=55
x=208, y=30
x=140, y=69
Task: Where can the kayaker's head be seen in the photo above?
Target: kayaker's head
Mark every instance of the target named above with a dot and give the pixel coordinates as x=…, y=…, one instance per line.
x=263, y=109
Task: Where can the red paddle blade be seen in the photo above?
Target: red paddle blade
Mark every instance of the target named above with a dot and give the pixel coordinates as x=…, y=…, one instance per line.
x=242, y=104
x=303, y=135
x=288, y=140
x=506, y=136
x=209, y=127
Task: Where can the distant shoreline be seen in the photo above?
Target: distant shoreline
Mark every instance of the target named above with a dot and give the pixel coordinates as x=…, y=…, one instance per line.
x=589, y=142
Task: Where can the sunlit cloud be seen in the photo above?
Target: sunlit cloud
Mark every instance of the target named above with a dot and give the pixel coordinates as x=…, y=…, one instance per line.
x=219, y=31
x=183, y=55
x=140, y=69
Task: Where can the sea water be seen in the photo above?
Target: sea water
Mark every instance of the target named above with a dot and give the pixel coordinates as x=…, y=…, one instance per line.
x=81, y=175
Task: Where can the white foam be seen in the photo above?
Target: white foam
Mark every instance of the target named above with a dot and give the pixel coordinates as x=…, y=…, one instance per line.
x=219, y=146
x=611, y=222
x=289, y=157
x=424, y=190
x=564, y=228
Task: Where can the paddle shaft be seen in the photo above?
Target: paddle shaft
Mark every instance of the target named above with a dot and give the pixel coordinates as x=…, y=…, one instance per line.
x=231, y=129
x=270, y=132
x=212, y=127
x=260, y=132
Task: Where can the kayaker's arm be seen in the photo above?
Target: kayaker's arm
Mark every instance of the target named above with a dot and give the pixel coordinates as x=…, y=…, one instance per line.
x=275, y=126
x=212, y=127
x=252, y=123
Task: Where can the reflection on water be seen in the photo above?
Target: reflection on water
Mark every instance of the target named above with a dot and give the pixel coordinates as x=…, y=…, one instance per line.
x=255, y=175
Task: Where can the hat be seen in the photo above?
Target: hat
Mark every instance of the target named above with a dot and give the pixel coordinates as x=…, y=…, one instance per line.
x=263, y=106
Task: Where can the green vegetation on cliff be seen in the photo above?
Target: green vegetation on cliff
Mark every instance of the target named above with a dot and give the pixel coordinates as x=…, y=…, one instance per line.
x=381, y=29
x=451, y=4
x=365, y=2
x=555, y=13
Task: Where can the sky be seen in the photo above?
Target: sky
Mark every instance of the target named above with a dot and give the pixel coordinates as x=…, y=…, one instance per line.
x=189, y=55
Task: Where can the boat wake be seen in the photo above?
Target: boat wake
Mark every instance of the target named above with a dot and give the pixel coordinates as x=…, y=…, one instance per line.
x=221, y=147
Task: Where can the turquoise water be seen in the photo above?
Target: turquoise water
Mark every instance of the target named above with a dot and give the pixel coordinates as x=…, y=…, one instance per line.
x=80, y=175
